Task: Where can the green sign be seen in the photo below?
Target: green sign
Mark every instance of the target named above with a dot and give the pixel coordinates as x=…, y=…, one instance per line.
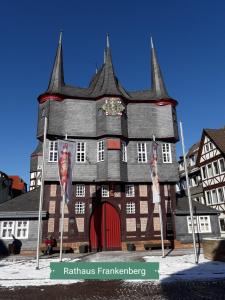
x=105, y=270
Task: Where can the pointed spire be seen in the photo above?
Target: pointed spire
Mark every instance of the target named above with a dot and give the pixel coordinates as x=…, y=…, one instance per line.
x=106, y=82
x=158, y=84
x=57, y=77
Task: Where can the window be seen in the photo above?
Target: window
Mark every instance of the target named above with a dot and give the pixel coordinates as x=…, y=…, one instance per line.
x=210, y=170
x=220, y=195
x=53, y=151
x=166, y=153
x=130, y=208
x=222, y=224
x=79, y=208
x=216, y=167
x=214, y=197
x=208, y=197
x=124, y=152
x=201, y=224
x=204, y=174
x=81, y=152
x=222, y=165
x=100, y=151
x=80, y=190
x=207, y=148
x=192, y=160
x=7, y=229
x=105, y=191
x=129, y=190
x=21, y=231
x=17, y=228
x=142, y=152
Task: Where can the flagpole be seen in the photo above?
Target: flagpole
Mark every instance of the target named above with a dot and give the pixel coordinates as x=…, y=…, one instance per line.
x=189, y=193
x=62, y=227
x=41, y=194
x=160, y=220
x=62, y=222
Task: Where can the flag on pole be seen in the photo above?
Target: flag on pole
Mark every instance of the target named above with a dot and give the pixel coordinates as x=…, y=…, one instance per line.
x=154, y=173
x=66, y=157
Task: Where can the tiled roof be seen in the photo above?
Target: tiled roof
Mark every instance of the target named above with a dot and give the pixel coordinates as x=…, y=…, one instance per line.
x=218, y=137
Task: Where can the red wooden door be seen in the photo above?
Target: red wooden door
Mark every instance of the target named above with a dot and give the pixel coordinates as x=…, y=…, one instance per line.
x=105, y=228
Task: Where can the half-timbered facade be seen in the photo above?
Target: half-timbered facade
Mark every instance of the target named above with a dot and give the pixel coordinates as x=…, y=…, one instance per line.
x=113, y=130
x=194, y=175
x=212, y=164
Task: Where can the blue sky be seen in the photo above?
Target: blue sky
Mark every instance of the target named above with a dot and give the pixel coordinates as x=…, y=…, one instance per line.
x=189, y=37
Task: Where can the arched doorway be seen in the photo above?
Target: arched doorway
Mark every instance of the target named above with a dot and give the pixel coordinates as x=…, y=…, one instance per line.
x=105, y=233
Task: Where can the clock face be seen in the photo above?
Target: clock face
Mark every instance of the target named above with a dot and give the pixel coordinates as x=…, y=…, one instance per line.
x=113, y=107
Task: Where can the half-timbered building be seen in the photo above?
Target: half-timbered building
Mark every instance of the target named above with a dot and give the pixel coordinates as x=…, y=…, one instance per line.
x=113, y=130
x=194, y=175
x=211, y=162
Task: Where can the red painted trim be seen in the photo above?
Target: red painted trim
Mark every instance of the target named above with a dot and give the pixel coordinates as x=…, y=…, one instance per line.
x=60, y=97
x=45, y=97
x=163, y=102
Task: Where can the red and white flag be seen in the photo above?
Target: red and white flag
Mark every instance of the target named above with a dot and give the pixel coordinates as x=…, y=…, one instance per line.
x=66, y=158
x=154, y=174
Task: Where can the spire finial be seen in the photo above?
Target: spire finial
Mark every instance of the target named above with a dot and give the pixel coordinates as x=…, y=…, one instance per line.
x=107, y=40
x=60, y=37
x=152, y=45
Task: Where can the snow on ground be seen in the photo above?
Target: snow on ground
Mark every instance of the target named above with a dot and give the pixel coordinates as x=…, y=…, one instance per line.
x=23, y=273
x=172, y=268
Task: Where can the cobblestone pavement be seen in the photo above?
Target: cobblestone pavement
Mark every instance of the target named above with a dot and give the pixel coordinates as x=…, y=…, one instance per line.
x=119, y=290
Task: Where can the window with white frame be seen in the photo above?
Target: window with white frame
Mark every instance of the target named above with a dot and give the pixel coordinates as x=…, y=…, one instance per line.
x=105, y=191
x=204, y=174
x=79, y=208
x=130, y=208
x=100, y=151
x=201, y=224
x=17, y=228
x=214, y=197
x=53, y=151
x=216, y=168
x=21, y=230
x=222, y=165
x=210, y=170
x=222, y=225
x=166, y=153
x=81, y=152
x=7, y=229
x=124, y=152
x=220, y=195
x=208, y=198
x=142, y=152
x=80, y=190
x=129, y=190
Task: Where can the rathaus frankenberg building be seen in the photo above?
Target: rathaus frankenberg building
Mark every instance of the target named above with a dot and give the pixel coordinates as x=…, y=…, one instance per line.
x=113, y=129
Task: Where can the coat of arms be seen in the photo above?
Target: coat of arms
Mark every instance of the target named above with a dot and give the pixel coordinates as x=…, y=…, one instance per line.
x=113, y=107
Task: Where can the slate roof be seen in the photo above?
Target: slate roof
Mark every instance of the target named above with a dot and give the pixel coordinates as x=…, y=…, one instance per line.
x=105, y=82
x=56, y=81
x=182, y=207
x=25, y=202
